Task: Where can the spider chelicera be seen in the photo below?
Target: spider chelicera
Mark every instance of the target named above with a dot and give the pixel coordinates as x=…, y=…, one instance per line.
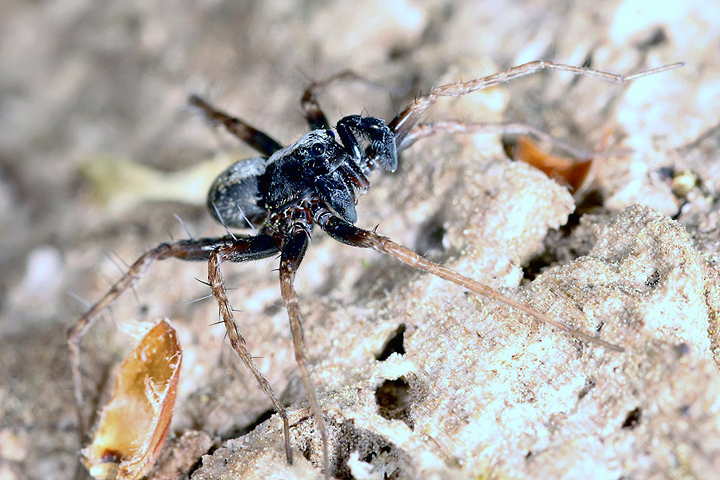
x=283, y=194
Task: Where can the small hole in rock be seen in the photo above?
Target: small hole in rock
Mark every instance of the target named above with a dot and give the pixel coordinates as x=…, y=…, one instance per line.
x=562, y=245
x=251, y=426
x=633, y=419
x=394, y=398
x=370, y=447
x=393, y=344
x=430, y=238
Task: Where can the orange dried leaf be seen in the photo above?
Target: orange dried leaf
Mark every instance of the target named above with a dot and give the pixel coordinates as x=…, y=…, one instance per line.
x=567, y=170
x=133, y=426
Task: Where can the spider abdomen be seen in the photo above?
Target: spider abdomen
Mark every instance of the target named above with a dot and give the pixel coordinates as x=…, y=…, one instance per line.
x=235, y=199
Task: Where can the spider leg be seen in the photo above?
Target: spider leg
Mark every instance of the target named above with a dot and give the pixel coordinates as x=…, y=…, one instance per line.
x=258, y=140
x=349, y=234
x=423, y=130
x=293, y=251
x=234, y=252
x=404, y=122
x=315, y=117
x=246, y=249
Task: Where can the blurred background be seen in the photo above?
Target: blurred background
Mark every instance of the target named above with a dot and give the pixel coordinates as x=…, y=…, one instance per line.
x=98, y=152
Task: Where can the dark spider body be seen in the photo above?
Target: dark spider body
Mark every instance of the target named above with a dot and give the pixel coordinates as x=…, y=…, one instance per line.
x=314, y=181
x=315, y=169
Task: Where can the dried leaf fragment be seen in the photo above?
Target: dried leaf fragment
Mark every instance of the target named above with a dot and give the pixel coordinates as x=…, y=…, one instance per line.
x=133, y=426
x=566, y=170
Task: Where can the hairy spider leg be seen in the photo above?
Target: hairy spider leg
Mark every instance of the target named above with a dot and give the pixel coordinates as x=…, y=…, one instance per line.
x=407, y=131
x=243, y=249
x=258, y=140
x=234, y=252
x=404, y=122
x=316, y=119
x=293, y=251
x=349, y=234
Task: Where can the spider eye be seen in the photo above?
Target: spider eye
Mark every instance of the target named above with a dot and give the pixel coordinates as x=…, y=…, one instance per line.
x=317, y=149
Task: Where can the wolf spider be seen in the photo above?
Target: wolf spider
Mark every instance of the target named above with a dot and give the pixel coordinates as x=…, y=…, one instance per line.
x=282, y=194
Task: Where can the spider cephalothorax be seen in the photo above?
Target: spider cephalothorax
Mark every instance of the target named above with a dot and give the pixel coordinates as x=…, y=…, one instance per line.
x=315, y=181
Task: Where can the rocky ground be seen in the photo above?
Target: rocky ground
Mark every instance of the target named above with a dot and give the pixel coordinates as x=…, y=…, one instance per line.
x=418, y=378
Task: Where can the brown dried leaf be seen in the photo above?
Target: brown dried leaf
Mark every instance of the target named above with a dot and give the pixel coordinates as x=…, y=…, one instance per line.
x=566, y=170
x=133, y=426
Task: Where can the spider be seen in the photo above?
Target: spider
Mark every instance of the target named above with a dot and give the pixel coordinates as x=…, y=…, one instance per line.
x=316, y=181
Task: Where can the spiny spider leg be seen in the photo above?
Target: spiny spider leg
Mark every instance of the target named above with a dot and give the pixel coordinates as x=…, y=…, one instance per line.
x=244, y=249
x=404, y=122
x=293, y=251
x=230, y=253
x=424, y=130
x=258, y=140
x=349, y=234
